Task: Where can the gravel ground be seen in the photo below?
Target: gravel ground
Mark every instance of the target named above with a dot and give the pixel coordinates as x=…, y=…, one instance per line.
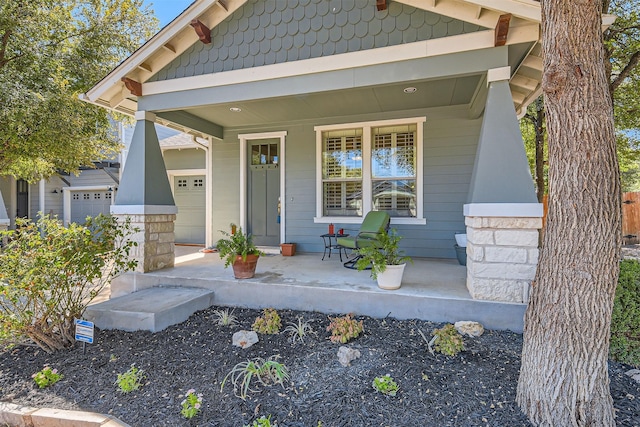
x=474, y=388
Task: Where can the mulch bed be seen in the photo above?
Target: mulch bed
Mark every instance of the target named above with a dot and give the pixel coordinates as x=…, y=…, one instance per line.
x=474, y=388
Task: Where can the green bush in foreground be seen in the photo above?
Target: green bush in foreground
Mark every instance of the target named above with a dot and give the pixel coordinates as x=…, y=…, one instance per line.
x=49, y=273
x=625, y=320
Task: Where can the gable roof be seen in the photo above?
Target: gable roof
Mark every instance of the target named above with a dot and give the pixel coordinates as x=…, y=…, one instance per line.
x=178, y=36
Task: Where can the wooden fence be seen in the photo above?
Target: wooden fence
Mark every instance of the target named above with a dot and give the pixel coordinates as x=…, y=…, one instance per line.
x=630, y=217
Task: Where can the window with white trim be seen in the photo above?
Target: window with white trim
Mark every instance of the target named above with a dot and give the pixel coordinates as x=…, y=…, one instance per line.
x=370, y=166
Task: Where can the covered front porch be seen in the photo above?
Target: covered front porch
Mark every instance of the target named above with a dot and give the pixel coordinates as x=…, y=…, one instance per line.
x=432, y=289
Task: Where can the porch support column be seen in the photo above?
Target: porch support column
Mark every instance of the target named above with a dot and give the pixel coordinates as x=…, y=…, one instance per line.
x=502, y=215
x=144, y=196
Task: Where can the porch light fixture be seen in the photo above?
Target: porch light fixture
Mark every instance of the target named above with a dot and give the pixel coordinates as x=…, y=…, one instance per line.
x=235, y=109
x=410, y=89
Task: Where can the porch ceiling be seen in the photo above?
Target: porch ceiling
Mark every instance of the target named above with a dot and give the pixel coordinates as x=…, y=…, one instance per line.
x=343, y=103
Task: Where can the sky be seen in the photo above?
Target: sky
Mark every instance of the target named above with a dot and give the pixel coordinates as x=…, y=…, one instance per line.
x=167, y=10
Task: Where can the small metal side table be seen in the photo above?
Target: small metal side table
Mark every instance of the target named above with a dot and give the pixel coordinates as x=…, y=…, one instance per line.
x=330, y=244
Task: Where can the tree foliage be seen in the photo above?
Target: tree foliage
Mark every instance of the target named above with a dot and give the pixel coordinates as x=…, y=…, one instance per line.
x=50, y=273
x=50, y=52
x=622, y=56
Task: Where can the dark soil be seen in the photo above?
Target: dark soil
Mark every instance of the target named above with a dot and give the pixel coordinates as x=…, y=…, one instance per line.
x=474, y=388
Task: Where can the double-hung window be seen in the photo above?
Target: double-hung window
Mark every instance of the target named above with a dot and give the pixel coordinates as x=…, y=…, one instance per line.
x=370, y=166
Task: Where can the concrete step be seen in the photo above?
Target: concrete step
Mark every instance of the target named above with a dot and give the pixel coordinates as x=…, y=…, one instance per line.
x=152, y=309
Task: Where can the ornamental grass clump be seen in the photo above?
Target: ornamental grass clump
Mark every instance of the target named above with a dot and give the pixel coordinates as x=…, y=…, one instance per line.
x=344, y=329
x=269, y=323
x=46, y=377
x=264, y=371
x=298, y=331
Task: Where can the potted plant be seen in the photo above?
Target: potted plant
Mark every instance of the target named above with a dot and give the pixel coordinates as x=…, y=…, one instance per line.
x=238, y=250
x=386, y=261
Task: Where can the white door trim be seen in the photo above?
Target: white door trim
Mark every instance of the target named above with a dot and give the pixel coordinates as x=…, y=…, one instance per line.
x=244, y=138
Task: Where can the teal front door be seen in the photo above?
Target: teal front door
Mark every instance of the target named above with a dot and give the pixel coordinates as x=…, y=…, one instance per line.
x=263, y=192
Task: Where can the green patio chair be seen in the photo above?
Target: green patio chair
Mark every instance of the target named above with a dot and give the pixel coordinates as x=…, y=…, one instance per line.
x=374, y=223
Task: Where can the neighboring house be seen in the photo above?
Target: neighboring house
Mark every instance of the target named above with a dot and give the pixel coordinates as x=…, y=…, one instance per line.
x=73, y=198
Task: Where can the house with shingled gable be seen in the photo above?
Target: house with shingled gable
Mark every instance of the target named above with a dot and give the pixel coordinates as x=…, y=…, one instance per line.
x=319, y=111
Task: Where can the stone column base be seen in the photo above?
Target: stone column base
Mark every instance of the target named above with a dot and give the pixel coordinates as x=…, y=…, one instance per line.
x=502, y=257
x=155, y=238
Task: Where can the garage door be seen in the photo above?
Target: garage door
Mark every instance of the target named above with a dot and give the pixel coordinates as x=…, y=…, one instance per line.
x=189, y=195
x=89, y=203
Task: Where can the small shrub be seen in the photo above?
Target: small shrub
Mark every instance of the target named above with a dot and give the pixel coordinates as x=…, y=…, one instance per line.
x=262, y=422
x=625, y=319
x=385, y=385
x=266, y=372
x=268, y=323
x=49, y=273
x=130, y=380
x=225, y=317
x=344, y=329
x=46, y=377
x=191, y=404
x=297, y=331
x=448, y=341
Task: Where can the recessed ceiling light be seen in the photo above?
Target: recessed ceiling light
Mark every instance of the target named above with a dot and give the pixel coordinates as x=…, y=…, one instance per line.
x=410, y=89
x=235, y=109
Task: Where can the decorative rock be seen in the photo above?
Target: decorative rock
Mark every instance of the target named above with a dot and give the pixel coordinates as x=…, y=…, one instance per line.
x=245, y=339
x=467, y=327
x=635, y=374
x=346, y=355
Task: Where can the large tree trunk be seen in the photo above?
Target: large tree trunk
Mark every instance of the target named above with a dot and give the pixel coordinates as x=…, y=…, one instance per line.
x=563, y=378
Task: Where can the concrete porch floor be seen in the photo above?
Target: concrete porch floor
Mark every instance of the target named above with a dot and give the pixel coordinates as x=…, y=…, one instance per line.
x=432, y=289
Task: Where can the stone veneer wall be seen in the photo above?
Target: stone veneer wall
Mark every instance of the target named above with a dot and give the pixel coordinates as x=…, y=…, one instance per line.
x=502, y=256
x=156, y=240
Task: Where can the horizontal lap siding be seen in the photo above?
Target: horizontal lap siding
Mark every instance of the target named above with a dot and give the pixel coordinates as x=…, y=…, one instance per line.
x=448, y=155
x=226, y=187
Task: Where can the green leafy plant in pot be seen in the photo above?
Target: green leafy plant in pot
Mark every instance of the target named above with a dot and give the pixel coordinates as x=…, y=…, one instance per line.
x=238, y=250
x=386, y=260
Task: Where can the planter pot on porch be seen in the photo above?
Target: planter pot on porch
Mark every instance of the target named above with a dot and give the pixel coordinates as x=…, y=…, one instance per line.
x=391, y=277
x=245, y=269
x=288, y=249
x=461, y=254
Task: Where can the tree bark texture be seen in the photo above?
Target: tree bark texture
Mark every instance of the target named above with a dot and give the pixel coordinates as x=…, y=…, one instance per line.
x=563, y=377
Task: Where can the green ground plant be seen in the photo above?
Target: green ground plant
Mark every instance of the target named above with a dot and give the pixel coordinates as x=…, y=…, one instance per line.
x=264, y=371
x=625, y=319
x=46, y=377
x=269, y=323
x=345, y=328
x=448, y=340
x=49, y=273
x=130, y=380
x=191, y=404
x=262, y=422
x=385, y=385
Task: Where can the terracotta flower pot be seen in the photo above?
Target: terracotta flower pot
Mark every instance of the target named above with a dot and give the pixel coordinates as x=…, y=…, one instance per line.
x=245, y=269
x=288, y=249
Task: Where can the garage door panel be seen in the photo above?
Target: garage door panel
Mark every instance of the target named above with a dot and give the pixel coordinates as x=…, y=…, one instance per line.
x=189, y=196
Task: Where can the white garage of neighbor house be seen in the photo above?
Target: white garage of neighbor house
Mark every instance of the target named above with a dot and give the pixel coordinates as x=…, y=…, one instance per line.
x=73, y=198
